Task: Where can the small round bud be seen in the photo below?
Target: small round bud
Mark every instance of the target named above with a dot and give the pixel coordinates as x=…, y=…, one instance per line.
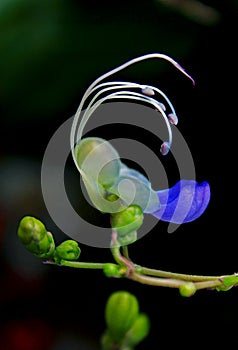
x=67, y=250
x=128, y=220
x=113, y=270
x=187, y=289
x=139, y=330
x=33, y=235
x=121, y=311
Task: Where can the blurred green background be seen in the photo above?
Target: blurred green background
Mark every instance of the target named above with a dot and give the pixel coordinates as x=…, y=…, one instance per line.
x=50, y=51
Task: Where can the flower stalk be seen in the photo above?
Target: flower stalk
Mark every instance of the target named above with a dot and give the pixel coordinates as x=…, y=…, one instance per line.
x=67, y=254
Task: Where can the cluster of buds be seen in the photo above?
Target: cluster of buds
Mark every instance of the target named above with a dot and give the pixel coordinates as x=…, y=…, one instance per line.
x=126, y=326
x=37, y=240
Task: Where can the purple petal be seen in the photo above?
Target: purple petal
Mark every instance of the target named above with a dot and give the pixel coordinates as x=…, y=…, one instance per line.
x=184, y=202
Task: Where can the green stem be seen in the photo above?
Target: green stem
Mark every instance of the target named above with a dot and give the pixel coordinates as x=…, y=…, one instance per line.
x=143, y=274
x=125, y=252
x=117, y=255
x=122, y=260
x=155, y=281
x=172, y=283
x=208, y=284
x=168, y=274
x=78, y=264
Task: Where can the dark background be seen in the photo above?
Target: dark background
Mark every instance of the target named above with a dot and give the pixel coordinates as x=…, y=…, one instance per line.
x=50, y=51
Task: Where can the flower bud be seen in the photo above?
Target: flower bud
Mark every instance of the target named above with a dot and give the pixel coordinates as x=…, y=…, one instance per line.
x=127, y=222
x=67, y=250
x=121, y=311
x=113, y=270
x=138, y=331
x=33, y=235
x=187, y=289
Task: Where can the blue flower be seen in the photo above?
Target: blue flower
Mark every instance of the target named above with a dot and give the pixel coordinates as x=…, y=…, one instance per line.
x=184, y=202
x=103, y=172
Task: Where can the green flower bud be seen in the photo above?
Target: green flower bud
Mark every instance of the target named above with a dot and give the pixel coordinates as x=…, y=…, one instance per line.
x=126, y=223
x=121, y=311
x=138, y=331
x=30, y=229
x=187, y=289
x=67, y=250
x=33, y=235
x=99, y=160
x=113, y=270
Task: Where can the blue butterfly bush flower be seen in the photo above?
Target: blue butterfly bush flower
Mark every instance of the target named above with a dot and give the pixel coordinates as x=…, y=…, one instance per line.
x=106, y=177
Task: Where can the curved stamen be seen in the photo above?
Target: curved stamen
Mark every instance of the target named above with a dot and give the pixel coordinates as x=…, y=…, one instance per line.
x=143, y=88
x=134, y=96
x=126, y=95
x=124, y=85
x=117, y=85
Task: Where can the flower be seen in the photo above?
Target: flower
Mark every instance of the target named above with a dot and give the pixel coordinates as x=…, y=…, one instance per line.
x=111, y=185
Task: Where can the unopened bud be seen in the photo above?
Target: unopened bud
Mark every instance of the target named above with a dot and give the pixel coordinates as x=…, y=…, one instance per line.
x=121, y=311
x=33, y=235
x=113, y=270
x=187, y=289
x=67, y=250
x=138, y=331
x=127, y=222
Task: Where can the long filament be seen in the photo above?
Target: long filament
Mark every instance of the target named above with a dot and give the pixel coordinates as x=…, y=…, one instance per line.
x=109, y=86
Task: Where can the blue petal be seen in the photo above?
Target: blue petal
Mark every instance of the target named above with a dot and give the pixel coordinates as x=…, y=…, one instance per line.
x=133, y=188
x=184, y=202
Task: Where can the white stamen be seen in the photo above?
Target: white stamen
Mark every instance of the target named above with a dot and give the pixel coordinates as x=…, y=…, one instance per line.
x=162, y=106
x=144, y=96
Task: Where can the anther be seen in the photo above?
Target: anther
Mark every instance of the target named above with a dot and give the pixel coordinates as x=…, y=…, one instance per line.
x=164, y=149
x=148, y=91
x=173, y=118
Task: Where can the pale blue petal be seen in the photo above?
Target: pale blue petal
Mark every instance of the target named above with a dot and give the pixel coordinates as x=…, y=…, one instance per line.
x=133, y=188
